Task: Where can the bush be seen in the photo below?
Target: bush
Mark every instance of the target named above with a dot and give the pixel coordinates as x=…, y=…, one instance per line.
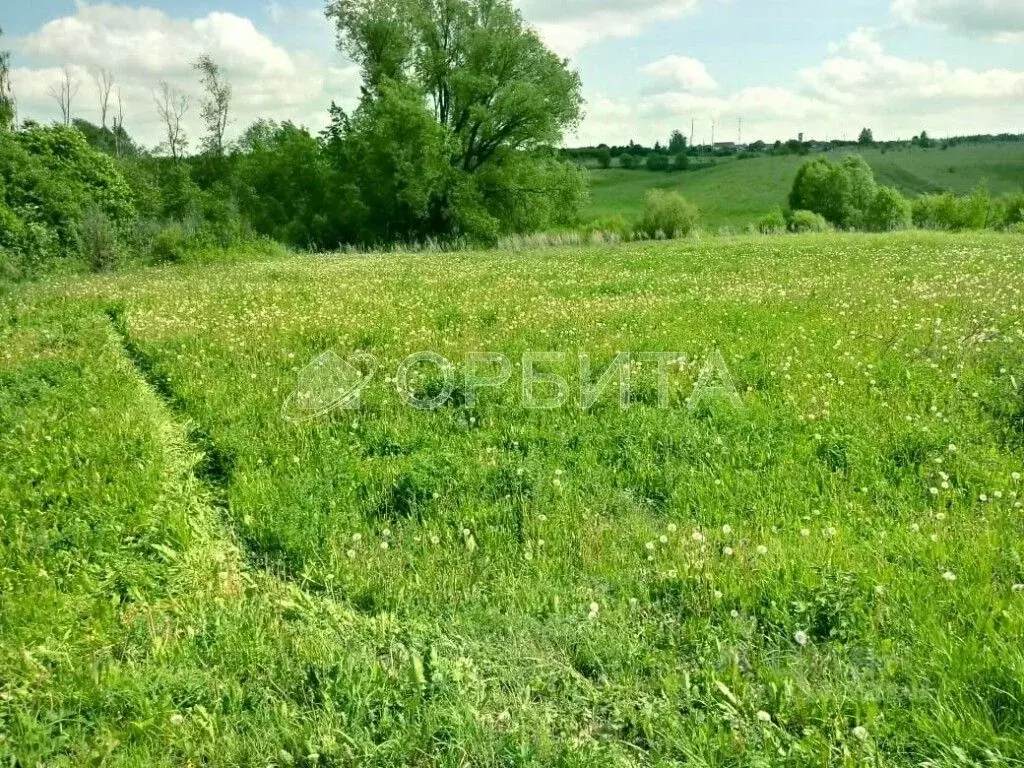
x=888, y=212
x=667, y=214
x=773, y=223
x=950, y=213
x=807, y=221
x=629, y=162
x=613, y=225
x=841, y=193
x=681, y=162
x=656, y=162
x=98, y=240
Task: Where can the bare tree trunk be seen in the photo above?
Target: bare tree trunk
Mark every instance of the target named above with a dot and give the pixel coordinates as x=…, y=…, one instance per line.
x=172, y=105
x=104, y=84
x=64, y=93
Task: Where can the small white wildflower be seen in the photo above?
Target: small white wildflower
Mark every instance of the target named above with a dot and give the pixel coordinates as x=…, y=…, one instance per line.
x=663, y=539
x=649, y=546
x=718, y=595
x=762, y=549
x=351, y=554
x=915, y=527
x=935, y=538
x=177, y=719
x=542, y=518
x=672, y=528
x=949, y=576
x=1015, y=477
x=384, y=545
x=595, y=609
x=726, y=529
x=1018, y=588
x=800, y=637
x=861, y=733
x=357, y=537
x=633, y=603
x=466, y=532
x=933, y=491
x=435, y=539
x=983, y=498
x=386, y=533
x=805, y=532
x=764, y=717
x=727, y=551
x=940, y=515
x=697, y=536
x=734, y=613
x=952, y=448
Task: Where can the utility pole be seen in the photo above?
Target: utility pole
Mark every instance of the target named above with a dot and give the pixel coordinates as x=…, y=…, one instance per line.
x=693, y=122
x=712, y=134
x=740, y=140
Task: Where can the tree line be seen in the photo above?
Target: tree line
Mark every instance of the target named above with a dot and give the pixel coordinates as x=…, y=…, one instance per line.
x=454, y=139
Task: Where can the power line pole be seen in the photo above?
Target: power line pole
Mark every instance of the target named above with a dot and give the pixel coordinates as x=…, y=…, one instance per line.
x=693, y=122
x=712, y=134
x=740, y=141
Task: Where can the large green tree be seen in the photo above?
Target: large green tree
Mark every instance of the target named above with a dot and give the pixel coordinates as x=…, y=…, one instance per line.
x=476, y=85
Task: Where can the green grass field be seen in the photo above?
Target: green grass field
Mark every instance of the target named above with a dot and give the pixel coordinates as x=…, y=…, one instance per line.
x=827, y=575
x=736, y=193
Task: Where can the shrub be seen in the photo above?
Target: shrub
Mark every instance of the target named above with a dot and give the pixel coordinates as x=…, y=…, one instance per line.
x=657, y=162
x=888, y=212
x=629, y=162
x=807, y=221
x=773, y=223
x=669, y=214
x=681, y=162
x=613, y=225
x=841, y=193
x=950, y=213
x=98, y=239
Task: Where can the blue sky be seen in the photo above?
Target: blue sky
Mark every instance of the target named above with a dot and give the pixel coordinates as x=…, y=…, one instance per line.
x=825, y=69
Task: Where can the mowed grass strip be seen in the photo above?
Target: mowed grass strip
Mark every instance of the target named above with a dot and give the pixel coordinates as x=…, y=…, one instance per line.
x=828, y=575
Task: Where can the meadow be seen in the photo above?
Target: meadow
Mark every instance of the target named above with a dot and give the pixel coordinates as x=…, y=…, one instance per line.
x=830, y=574
x=733, y=194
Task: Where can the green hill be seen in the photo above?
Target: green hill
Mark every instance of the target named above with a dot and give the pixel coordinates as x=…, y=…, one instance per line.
x=734, y=193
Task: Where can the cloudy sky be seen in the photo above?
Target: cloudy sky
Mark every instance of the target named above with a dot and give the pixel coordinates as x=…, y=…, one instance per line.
x=822, y=67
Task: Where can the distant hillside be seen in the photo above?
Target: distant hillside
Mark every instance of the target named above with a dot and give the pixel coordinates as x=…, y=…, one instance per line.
x=734, y=192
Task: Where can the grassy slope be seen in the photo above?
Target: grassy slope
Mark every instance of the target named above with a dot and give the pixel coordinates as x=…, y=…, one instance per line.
x=479, y=649
x=736, y=193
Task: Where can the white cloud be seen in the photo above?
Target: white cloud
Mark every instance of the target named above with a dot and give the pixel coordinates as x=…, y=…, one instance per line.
x=571, y=25
x=858, y=84
x=143, y=46
x=680, y=73
x=999, y=20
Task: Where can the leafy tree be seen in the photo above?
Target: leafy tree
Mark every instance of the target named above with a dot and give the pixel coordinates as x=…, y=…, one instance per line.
x=217, y=105
x=497, y=97
x=888, y=211
x=604, y=157
x=7, y=107
x=867, y=137
x=839, y=192
x=677, y=143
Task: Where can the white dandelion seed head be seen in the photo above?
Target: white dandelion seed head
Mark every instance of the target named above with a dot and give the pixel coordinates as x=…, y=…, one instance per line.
x=861, y=733
x=763, y=716
x=949, y=576
x=762, y=550
x=672, y=528
x=800, y=637
x=726, y=529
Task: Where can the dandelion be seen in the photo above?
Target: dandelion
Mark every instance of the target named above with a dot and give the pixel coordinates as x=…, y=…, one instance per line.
x=861, y=733
x=649, y=546
x=949, y=576
x=384, y=545
x=727, y=551
x=351, y=554
x=697, y=536
x=386, y=533
x=177, y=719
x=357, y=537
x=663, y=539
x=1015, y=477
x=952, y=448
x=933, y=491
x=983, y=498
x=805, y=532
x=734, y=613
x=762, y=549
x=763, y=716
x=940, y=516
x=672, y=528
x=595, y=609
x=542, y=518
x=435, y=539
x=633, y=603
x=718, y=595
x=466, y=532
x=800, y=637
x=726, y=529
x=915, y=527
x=935, y=538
